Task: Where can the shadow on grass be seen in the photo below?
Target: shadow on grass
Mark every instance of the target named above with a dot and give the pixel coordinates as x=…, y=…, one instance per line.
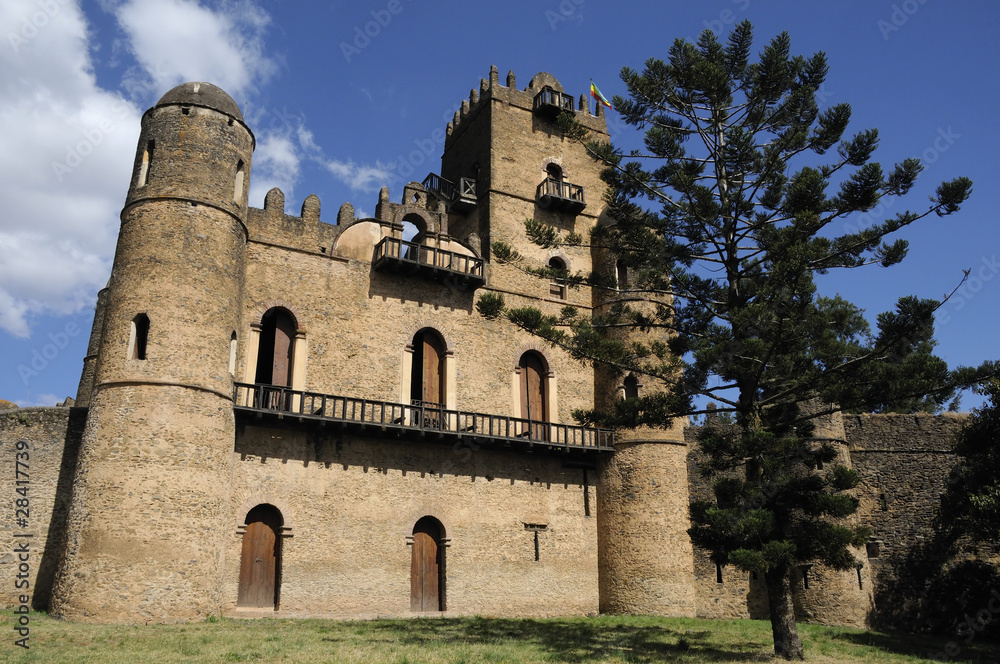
x=932, y=647
x=577, y=640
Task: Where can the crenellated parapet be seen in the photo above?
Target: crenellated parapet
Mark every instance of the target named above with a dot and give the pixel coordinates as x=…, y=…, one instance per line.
x=542, y=88
x=306, y=232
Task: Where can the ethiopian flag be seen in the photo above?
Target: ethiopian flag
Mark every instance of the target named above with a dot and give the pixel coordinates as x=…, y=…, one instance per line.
x=596, y=94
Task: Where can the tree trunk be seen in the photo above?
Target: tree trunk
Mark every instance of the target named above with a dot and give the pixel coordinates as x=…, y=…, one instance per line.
x=787, y=643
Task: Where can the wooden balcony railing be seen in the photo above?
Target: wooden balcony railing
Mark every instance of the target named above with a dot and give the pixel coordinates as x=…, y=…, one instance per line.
x=460, y=196
x=550, y=102
x=419, y=419
x=429, y=262
x=559, y=195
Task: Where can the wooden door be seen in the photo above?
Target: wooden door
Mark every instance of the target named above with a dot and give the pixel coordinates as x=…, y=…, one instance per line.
x=425, y=567
x=431, y=382
x=284, y=337
x=260, y=561
x=533, y=401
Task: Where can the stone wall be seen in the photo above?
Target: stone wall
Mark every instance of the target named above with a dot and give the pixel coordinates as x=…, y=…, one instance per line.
x=820, y=594
x=351, y=502
x=904, y=462
x=53, y=439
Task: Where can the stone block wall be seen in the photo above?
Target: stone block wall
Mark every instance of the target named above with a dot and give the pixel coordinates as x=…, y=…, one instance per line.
x=904, y=462
x=53, y=439
x=350, y=504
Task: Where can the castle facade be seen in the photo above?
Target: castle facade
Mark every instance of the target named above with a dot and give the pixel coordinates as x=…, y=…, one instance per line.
x=281, y=415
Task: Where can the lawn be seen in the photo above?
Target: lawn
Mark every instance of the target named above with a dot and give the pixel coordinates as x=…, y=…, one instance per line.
x=457, y=640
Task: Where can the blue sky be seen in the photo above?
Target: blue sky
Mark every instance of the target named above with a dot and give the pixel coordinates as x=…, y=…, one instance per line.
x=345, y=97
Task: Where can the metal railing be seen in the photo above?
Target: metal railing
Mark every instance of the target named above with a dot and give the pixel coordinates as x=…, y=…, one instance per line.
x=418, y=417
x=397, y=254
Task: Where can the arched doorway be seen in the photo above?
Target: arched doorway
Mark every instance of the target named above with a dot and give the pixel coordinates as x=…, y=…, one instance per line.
x=260, y=561
x=274, y=355
x=427, y=566
x=427, y=375
x=534, y=400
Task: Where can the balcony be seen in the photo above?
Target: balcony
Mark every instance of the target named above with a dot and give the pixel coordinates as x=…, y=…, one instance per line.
x=392, y=254
x=555, y=194
x=419, y=420
x=550, y=103
x=460, y=196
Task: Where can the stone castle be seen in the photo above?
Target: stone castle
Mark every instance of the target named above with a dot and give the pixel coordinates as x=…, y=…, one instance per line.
x=279, y=415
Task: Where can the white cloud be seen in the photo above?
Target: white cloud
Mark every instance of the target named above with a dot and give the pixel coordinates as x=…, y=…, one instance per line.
x=67, y=145
x=183, y=40
x=40, y=400
x=358, y=177
x=275, y=164
x=66, y=150
x=280, y=152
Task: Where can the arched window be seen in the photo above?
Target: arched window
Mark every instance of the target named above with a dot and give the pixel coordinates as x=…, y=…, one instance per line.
x=557, y=287
x=274, y=354
x=232, y=353
x=427, y=376
x=260, y=562
x=138, y=337
x=147, y=157
x=554, y=171
x=631, y=386
x=621, y=275
x=238, y=186
x=427, y=566
x=534, y=397
x=414, y=227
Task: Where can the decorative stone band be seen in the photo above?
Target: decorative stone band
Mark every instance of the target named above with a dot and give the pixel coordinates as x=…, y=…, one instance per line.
x=192, y=201
x=164, y=383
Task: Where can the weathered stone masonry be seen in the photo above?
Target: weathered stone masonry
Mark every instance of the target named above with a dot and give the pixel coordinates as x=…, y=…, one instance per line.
x=279, y=415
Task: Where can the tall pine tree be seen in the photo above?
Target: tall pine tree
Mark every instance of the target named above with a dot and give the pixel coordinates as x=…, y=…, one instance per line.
x=723, y=221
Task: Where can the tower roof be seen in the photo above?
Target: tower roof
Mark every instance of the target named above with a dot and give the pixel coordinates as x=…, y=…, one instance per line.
x=202, y=94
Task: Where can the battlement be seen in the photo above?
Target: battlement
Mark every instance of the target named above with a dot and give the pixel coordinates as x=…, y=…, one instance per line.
x=491, y=90
x=921, y=432
x=354, y=238
x=306, y=232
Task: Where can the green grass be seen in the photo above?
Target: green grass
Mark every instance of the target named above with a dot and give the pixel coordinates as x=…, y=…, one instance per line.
x=460, y=640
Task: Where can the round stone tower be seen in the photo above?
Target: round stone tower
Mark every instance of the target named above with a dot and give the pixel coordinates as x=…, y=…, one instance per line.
x=645, y=557
x=146, y=531
x=822, y=594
